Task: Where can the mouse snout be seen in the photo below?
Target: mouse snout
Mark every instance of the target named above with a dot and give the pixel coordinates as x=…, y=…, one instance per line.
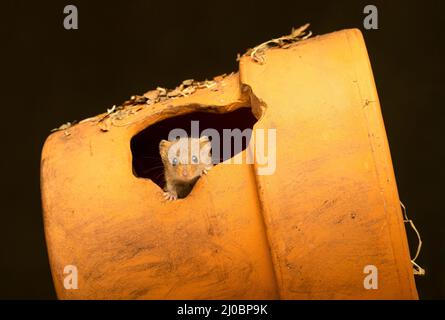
x=184, y=172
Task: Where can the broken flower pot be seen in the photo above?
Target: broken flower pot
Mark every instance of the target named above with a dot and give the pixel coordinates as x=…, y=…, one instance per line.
x=307, y=230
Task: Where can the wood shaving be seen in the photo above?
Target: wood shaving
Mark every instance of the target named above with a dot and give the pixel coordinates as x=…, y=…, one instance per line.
x=151, y=95
x=64, y=126
x=284, y=42
x=138, y=102
x=105, y=125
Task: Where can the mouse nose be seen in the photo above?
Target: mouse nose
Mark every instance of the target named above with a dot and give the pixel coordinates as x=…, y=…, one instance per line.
x=184, y=172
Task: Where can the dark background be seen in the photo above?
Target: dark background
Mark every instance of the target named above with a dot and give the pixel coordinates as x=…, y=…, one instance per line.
x=50, y=75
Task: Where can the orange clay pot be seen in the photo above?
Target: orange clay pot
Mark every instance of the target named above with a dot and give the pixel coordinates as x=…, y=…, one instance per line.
x=305, y=232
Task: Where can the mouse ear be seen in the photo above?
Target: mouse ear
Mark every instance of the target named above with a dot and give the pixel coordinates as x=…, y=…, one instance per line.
x=203, y=140
x=205, y=145
x=163, y=144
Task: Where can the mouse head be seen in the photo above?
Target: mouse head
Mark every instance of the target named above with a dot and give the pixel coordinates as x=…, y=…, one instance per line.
x=186, y=158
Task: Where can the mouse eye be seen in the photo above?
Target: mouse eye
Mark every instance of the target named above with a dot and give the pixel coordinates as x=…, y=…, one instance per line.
x=195, y=159
x=174, y=161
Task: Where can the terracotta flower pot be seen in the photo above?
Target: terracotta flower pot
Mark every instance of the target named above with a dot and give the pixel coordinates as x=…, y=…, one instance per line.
x=307, y=231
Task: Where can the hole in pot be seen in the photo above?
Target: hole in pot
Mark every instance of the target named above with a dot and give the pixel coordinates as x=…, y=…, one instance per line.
x=147, y=162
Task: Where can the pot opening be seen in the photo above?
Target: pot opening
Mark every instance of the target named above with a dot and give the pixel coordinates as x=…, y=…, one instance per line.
x=147, y=161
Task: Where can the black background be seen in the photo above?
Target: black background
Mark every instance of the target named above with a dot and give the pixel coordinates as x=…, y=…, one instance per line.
x=50, y=75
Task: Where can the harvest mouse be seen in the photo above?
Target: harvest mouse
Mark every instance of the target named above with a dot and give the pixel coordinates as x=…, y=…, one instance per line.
x=185, y=161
